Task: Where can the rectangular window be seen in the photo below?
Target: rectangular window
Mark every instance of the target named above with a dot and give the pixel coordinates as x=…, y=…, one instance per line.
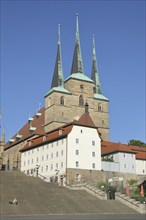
x=77, y=152
x=62, y=141
x=51, y=167
x=61, y=164
x=42, y=158
x=77, y=164
x=57, y=154
x=32, y=161
x=125, y=166
x=47, y=157
x=62, y=153
x=41, y=169
x=46, y=168
x=77, y=141
x=37, y=160
x=56, y=165
x=93, y=165
x=56, y=143
x=28, y=162
x=37, y=149
x=77, y=177
x=93, y=143
x=24, y=163
x=51, y=155
x=93, y=154
x=132, y=166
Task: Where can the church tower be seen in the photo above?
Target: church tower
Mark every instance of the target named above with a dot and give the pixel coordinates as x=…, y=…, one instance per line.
x=66, y=99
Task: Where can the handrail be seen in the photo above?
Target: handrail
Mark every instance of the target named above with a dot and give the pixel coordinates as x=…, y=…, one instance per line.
x=42, y=176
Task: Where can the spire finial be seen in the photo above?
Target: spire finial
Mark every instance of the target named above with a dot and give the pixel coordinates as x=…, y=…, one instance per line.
x=59, y=33
x=77, y=23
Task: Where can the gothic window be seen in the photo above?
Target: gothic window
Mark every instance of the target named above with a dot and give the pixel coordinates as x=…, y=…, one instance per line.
x=81, y=101
x=62, y=100
x=99, y=107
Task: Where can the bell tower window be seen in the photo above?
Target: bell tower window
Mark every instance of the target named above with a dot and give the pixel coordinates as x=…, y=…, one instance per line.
x=81, y=101
x=62, y=100
x=99, y=107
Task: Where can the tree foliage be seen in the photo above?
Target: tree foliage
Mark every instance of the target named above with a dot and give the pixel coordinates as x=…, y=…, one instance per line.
x=137, y=143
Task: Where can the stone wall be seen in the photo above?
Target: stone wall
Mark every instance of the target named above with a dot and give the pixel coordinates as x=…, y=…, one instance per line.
x=96, y=176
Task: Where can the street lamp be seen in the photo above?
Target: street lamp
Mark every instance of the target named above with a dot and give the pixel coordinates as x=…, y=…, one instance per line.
x=37, y=170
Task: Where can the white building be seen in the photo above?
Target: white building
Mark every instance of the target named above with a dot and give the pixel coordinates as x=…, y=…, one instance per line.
x=118, y=157
x=74, y=146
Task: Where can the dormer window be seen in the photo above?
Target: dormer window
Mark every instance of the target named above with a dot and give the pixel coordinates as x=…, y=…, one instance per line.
x=62, y=100
x=30, y=143
x=60, y=132
x=44, y=138
x=81, y=101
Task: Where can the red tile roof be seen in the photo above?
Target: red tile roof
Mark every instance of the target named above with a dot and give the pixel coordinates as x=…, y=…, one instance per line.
x=111, y=147
x=37, y=122
x=51, y=136
x=86, y=120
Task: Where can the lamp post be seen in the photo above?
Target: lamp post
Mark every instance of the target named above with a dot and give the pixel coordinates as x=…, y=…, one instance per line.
x=37, y=170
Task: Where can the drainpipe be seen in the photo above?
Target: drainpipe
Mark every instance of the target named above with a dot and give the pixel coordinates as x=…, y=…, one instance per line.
x=66, y=158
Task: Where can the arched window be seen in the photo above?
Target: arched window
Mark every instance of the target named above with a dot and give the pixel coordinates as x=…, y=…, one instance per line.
x=99, y=107
x=81, y=101
x=62, y=100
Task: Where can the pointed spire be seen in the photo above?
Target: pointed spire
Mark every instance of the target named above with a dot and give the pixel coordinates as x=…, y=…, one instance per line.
x=95, y=76
x=58, y=78
x=3, y=136
x=77, y=64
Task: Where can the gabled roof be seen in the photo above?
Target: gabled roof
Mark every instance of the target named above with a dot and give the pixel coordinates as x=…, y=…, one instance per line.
x=57, y=134
x=61, y=132
x=111, y=147
x=85, y=120
x=25, y=133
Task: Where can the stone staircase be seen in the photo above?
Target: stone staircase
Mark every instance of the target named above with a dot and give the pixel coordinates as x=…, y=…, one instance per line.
x=36, y=196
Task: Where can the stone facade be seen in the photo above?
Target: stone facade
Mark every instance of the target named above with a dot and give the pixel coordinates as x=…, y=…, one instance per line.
x=96, y=176
x=57, y=114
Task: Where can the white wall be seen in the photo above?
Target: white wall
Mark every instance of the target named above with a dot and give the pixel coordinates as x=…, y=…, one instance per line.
x=46, y=157
x=85, y=158
x=141, y=167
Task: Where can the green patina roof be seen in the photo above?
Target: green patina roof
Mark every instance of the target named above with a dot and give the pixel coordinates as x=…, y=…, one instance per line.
x=79, y=76
x=58, y=89
x=100, y=96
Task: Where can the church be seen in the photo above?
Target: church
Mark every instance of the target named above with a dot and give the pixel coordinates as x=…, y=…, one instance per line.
x=63, y=140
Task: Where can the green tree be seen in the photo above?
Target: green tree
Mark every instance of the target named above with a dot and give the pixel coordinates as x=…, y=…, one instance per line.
x=137, y=143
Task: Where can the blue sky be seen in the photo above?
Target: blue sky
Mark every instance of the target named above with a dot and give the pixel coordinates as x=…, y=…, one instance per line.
x=28, y=52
